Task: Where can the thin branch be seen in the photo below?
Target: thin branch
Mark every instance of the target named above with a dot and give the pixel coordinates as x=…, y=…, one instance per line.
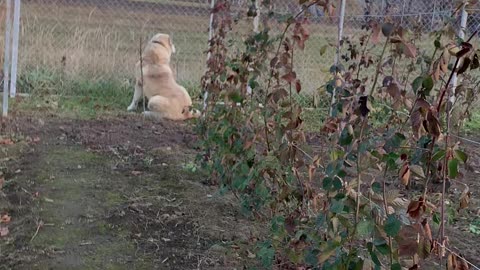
x=359, y=171
x=377, y=71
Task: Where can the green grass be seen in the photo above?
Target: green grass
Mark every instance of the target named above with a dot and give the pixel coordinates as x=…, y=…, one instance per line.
x=79, y=97
x=473, y=126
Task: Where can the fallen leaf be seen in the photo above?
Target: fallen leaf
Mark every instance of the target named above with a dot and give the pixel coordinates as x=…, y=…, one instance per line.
x=5, y=219
x=2, y=181
x=465, y=199
x=136, y=173
x=4, y=231
x=6, y=142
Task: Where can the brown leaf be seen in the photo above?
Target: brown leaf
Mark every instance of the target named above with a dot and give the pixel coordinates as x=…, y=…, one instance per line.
x=393, y=90
x=426, y=229
x=416, y=208
x=6, y=142
x=136, y=173
x=247, y=144
x=456, y=263
x=278, y=94
x=363, y=106
x=5, y=218
x=298, y=86
x=407, y=240
x=464, y=65
x=376, y=33
x=274, y=62
x=330, y=125
x=2, y=181
x=409, y=50
x=290, y=77
x=404, y=174
x=465, y=199
x=433, y=125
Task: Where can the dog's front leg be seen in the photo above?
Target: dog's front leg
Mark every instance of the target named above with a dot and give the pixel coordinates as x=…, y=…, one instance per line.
x=137, y=95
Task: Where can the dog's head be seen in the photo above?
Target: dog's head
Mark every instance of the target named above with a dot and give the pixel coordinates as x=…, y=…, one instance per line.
x=163, y=40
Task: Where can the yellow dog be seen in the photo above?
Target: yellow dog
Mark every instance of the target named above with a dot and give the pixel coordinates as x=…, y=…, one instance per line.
x=166, y=98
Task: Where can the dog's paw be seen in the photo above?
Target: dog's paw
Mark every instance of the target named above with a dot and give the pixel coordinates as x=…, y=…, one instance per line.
x=131, y=108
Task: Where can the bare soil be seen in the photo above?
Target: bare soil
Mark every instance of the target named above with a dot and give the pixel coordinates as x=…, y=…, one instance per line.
x=121, y=193
x=113, y=194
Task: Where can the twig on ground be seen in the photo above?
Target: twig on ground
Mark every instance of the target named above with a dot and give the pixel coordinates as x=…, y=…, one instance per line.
x=39, y=225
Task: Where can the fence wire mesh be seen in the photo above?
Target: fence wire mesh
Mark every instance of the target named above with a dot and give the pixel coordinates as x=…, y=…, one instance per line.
x=100, y=39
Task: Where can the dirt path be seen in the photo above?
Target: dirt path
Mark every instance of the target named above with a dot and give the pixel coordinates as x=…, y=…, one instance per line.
x=110, y=194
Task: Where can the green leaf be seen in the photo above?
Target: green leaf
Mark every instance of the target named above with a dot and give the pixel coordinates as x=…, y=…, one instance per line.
x=364, y=228
x=377, y=188
x=438, y=155
x=417, y=83
x=453, y=168
x=396, y=266
x=375, y=258
x=266, y=254
x=427, y=83
x=359, y=264
x=327, y=183
x=321, y=218
x=278, y=224
x=336, y=207
x=383, y=248
x=436, y=218
x=337, y=184
x=392, y=226
x=235, y=97
x=323, y=49
x=345, y=138
x=437, y=44
x=461, y=156
x=311, y=257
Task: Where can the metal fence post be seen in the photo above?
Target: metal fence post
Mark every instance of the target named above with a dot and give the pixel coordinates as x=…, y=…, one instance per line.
x=6, y=63
x=403, y=13
x=337, y=54
x=210, y=35
x=461, y=35
x=432, y=23
x=15, y=37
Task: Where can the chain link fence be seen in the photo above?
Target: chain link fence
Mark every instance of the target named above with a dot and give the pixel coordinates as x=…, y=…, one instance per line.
x=100, y=39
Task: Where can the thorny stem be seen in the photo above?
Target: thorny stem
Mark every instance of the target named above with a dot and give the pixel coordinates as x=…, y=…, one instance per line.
x=363, y=53
x=359, y=170
x=451, y=76
x=377, y=72
x=447, y=91
x=385, y=204
x=269, y=83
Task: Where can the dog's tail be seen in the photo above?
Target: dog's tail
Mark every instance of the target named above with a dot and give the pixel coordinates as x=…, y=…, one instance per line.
x=189, y=113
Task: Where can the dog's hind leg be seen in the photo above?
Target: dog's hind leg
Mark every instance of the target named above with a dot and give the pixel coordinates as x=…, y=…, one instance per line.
x=163, y=107
x=137, y=96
